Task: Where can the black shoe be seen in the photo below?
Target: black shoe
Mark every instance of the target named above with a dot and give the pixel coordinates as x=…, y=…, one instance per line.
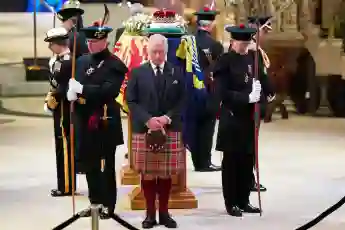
x=211, y=168
x=149, y=222
x=255, y=189
x=234, y=211
x=86, y=213
x=250, y=209
x=105, y=213
x=166, y=220
x=58, y=193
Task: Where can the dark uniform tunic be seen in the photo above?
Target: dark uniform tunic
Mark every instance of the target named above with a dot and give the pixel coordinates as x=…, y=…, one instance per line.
x=56, y=100
x=98, y=122
x=209, y=50
x=233, y=83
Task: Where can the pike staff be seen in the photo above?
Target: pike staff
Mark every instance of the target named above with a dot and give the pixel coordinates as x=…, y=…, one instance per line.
x=71, y=9
x=72, y=133
x=257, y=117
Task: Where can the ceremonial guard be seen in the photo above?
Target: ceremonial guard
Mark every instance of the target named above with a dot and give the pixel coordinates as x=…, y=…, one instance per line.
x=56, y=102
x=268, y=94
x=210, y=50
x=71, y=18
x=237, y=91
x=98, y=79
x=155, y=97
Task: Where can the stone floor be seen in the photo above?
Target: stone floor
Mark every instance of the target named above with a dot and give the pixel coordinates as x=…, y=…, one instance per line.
x=302, y=164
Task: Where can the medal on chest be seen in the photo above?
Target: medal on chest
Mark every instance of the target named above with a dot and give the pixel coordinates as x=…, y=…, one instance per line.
x=90, y=71
x=57, y=66
x=249, y=73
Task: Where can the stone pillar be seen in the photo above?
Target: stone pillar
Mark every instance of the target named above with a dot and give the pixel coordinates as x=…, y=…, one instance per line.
x=329, y=8
x=289, y=23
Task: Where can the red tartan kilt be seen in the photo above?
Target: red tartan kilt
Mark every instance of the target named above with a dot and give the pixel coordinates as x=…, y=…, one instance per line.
x=170, y=161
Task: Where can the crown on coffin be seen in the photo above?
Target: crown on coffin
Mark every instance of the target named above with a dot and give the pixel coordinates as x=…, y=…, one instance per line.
x=164, y=16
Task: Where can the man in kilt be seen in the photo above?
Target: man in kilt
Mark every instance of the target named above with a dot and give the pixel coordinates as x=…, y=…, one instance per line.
x=155, y=97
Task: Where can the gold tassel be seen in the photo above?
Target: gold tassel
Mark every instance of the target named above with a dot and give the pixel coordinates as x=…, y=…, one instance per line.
x=81, y=100
x=51, y=101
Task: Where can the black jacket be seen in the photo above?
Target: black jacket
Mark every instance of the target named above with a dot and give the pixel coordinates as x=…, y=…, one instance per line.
x=144, y=103
x=101, y=75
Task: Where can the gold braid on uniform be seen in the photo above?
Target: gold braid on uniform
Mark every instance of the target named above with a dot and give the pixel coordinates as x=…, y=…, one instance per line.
x=265, y=58
x=51, y=100
x=81, y=100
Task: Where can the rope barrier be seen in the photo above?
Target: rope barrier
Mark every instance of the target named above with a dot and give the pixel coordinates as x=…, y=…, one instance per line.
x=323, y=215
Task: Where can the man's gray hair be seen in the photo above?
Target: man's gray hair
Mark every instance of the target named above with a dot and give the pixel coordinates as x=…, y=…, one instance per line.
x=158, y=39
x=136, y=8
x=205, y=22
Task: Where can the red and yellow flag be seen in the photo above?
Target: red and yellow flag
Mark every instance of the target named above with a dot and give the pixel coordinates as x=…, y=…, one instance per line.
x=132, y=50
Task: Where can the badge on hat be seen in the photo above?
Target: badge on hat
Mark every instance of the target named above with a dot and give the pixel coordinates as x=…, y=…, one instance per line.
x=98, y=30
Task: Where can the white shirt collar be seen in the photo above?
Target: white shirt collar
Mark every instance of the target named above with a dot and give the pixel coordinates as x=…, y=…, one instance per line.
x=154, y=67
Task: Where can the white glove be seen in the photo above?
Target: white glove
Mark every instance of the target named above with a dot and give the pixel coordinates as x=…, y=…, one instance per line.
x=254, y=96
x=256, y=86
x=75, y=86
x=46, y=109
x=71, y=95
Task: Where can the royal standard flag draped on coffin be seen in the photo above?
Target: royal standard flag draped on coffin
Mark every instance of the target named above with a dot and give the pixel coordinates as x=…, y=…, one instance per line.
x=132, y=50
x=196, y=91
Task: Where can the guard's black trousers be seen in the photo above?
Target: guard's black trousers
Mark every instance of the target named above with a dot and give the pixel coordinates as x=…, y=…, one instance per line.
x=201, y=151
x=101, y=180
x=237, y=171
x=63, y=157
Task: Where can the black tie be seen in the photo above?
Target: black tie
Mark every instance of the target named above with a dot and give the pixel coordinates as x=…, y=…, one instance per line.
x=159, y=81
x=159, y=72
x=158, y=78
